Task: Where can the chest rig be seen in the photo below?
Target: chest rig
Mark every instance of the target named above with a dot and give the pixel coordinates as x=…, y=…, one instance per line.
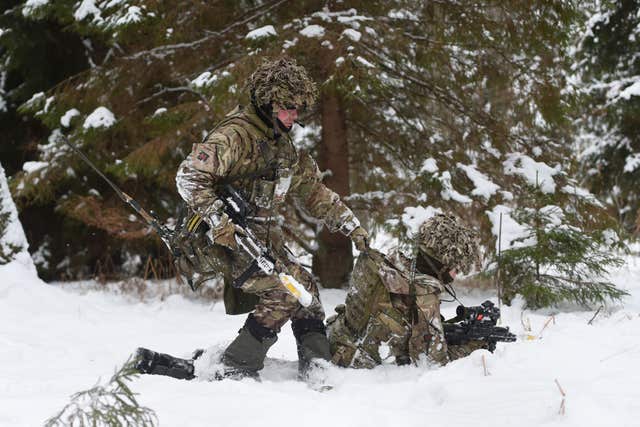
x=271, y=184
x=265, y=173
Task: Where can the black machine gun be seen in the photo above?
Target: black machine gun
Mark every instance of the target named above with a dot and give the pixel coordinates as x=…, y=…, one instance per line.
x=477, y=324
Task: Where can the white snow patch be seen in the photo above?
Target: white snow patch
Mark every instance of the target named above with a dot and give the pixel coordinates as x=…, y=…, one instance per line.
x=483, y=186
x=632, y=162
x=13, y=235
x=88, y=333
x=414, y=216
x=313, y=31
x=32, y=5
x=100, y=117
x=529, y=169
x=133, y=15
x=204, y=79
x=65, y=120
x=364, y=62
x=30, y=167
x=633, y=90
x=86, y=8
x=511, y=229
x=159, y=111
x=352, y=34
x=429, y=165
x=35, y=98
x=449, y=193
x=582, y=193
x=267, y=30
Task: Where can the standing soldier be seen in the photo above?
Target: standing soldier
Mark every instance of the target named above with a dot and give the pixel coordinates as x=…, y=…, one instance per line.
x=395, y=301
x=252, y=151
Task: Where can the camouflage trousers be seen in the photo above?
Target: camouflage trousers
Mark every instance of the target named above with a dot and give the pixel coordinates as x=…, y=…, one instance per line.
x=276, y=305
x=397, y=329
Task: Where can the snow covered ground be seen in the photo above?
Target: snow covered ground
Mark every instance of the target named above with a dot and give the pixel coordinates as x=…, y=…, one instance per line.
x=54, y=342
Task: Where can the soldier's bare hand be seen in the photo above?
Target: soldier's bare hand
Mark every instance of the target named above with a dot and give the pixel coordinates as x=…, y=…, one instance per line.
x=360, y=239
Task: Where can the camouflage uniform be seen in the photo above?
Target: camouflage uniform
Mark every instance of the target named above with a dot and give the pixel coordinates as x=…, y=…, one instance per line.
x=258, y=158
x=392, y=304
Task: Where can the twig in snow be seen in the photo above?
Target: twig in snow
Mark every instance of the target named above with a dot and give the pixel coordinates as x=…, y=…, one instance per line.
x=564, y=395
x=618, y=353
x=547, y=324
x=484, y=366
x=525, y=326
x=594, y=316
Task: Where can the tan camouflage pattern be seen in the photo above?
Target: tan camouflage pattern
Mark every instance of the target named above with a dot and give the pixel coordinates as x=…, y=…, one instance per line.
x=243, y=146
x=382, y=312
x=447, y=239
x=283, y=83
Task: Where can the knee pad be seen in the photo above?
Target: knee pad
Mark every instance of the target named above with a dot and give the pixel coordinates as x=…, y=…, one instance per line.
x=258, y=331
x=302, y=327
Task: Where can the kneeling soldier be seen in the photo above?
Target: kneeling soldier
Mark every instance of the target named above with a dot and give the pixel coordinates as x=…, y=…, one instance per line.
x=394, y=301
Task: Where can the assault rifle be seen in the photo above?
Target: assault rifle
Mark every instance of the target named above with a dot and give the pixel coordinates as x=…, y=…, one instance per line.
x=477, y=324
x=238, y=211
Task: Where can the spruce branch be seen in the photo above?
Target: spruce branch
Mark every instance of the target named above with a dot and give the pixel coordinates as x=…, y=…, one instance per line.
x=111, y=405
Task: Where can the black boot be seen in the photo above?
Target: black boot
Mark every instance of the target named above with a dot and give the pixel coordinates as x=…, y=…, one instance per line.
x=245, y=355
x=151, y=362
x=312, y=342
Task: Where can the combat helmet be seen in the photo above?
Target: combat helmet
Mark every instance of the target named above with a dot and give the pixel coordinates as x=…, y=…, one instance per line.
x=282, y=82
x=445, y=238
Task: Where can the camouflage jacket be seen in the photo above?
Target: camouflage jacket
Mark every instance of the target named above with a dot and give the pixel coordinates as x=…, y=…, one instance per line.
x=388, y=303
x=243, y=151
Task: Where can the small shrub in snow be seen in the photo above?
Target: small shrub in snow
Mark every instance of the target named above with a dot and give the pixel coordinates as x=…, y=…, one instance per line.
x=112, y=404
x=557, y=259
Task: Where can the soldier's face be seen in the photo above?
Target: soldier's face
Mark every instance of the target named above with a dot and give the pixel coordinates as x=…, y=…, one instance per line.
x=287, y=116
x=453, y=273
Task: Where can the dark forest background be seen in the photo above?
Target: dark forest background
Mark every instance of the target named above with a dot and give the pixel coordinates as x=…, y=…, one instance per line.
x=423, y=105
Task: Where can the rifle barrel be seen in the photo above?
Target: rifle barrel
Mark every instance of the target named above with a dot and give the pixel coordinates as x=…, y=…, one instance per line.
x=162, y=231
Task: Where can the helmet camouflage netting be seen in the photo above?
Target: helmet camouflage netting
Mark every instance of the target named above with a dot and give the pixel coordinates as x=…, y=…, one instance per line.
x=445, y=238
x=282, y=82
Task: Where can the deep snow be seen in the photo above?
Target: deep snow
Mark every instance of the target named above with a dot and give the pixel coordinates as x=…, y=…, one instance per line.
x=54, y=342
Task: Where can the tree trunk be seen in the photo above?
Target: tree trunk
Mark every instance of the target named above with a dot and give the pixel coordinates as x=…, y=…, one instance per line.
x=333, y=260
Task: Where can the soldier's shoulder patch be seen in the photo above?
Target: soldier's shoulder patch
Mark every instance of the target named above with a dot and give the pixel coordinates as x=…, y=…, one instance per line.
x=202, y=156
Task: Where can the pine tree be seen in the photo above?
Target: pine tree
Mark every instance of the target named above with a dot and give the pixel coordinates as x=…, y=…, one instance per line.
x=9, y=245
x=421, y=104
x=7, y=250
x=607, y=72
x=557, y=258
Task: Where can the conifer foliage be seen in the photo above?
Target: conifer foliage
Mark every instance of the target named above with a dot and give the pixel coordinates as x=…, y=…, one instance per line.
x=9, y=246
x=110, y=405
x=556, y=257
x=609, y=78
x=424, y=106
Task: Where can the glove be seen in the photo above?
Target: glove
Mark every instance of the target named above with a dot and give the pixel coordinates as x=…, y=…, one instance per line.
x=360, y=239
x=224, y=233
